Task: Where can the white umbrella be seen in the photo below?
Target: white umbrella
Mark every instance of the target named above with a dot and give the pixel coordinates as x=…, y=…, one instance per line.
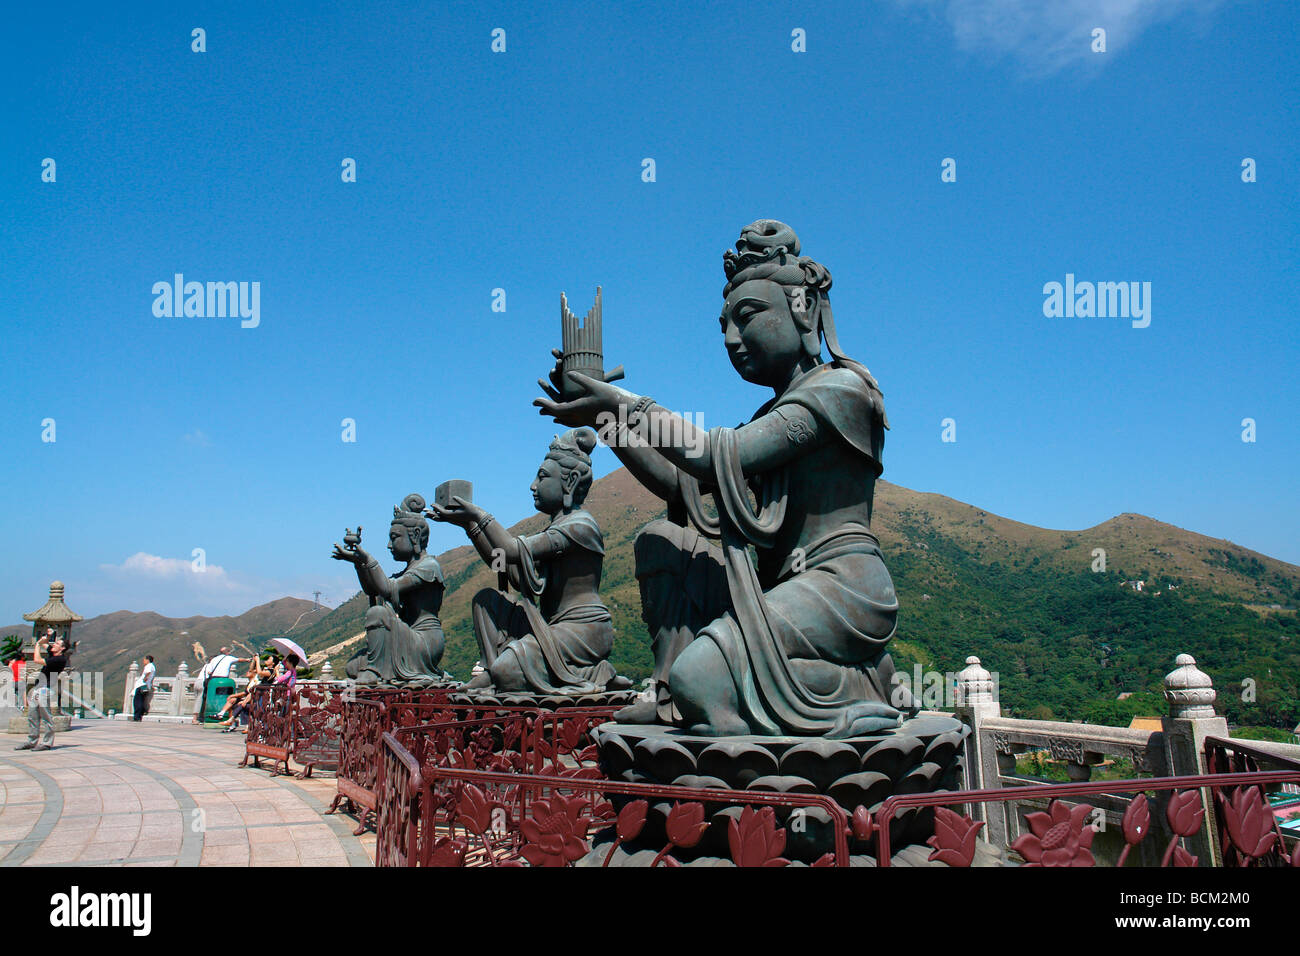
x=287, y=647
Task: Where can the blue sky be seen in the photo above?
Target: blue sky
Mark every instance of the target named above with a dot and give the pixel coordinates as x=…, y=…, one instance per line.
x=522, y=170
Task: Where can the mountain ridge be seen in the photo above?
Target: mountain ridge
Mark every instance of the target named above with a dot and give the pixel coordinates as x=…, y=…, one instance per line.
x=110, y=642
x=969, y=582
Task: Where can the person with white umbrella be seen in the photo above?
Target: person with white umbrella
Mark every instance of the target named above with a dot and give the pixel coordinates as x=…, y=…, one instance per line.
x=290, y=676
x=287, y=647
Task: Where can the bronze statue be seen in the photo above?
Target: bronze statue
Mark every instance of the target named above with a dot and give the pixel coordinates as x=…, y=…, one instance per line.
x=555, y=637
x=796, y=645
x=404, y=641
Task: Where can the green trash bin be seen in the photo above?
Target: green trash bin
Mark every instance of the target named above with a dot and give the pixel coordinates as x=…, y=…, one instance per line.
x=219, y=688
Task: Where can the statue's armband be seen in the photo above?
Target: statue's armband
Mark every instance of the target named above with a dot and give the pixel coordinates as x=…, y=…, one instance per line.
x=782, y=435
x=559, y=543
x=800, y=424
x=547, y=543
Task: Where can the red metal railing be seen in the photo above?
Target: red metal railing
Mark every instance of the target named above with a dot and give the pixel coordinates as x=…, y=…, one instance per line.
x=436, y=814
x=562, y=742
x=270, y=727
x=367, y=715
x=360, y=758
x=408, y=810
x=510, y=740
x=400, y=804
x=473, y=793
x=372, y=712
x=1063, y=836
x=304, y=723
x=1234, y=756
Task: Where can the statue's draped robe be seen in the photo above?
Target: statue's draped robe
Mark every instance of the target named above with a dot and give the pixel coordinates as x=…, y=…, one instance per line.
x=409, y=645
x=804, y=634
x=567, y=653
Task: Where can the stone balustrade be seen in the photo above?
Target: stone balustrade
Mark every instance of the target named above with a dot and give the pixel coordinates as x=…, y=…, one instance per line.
x=1176, y=749
x=173, y=698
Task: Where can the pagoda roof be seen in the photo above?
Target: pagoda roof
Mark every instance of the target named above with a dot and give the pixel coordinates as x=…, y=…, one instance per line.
x=54, y=611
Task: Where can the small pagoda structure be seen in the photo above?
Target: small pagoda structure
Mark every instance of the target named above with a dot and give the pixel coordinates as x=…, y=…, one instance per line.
x=54, y=614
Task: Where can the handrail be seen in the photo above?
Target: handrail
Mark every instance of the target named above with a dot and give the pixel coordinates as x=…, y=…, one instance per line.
x=407, y=758
x=415, y=790
x=1257, y=752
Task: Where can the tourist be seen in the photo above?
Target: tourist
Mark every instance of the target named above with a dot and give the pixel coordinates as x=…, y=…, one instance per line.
x=254, y=676
x=290, y=676
x=52, y=656
x=240, y=705
x=144, y=688
x=219, y=666
x=16, y=669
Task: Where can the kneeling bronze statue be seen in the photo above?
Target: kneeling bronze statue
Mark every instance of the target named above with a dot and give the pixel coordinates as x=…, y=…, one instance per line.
x=795, y=643
x=404, y=641
x=554, y=638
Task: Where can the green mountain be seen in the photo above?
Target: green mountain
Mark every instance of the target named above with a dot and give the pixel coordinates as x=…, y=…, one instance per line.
x=1066, y=641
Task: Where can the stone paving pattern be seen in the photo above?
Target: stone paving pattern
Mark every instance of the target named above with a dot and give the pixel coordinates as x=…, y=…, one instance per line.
x=117, y=793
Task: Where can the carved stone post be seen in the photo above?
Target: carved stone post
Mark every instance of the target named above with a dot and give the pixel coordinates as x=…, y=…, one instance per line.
x=10, y=705
x=327, y=671
x=977, y=702
x=179, y=695
x=1190, y=694
x=128, y=692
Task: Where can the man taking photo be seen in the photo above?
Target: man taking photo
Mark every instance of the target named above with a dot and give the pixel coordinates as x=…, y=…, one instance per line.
x=51, y=655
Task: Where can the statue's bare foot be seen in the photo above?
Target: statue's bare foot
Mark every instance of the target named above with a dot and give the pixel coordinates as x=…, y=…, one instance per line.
x=725, y=726
x=642, y=712
x=478, y=681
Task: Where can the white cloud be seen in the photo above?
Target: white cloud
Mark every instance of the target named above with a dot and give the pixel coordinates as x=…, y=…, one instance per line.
x=171, y=586
x=198, y=438
x=145, y=565
x=1050, y=35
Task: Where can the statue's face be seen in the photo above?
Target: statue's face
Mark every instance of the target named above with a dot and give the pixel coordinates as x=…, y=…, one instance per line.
x=399, y=543
x=548, y=488
x=762, y=340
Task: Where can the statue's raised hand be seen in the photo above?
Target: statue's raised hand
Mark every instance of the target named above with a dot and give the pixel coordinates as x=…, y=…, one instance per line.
x=350, y=555
x=599, y=399
x=555, y=389
x=458, y=512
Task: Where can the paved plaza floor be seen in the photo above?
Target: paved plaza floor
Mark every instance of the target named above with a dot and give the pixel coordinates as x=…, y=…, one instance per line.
x=117, y=793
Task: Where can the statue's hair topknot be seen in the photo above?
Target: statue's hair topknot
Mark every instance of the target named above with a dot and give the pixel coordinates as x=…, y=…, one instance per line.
x=410, y=515
x=572, y=452
x=768, y=249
